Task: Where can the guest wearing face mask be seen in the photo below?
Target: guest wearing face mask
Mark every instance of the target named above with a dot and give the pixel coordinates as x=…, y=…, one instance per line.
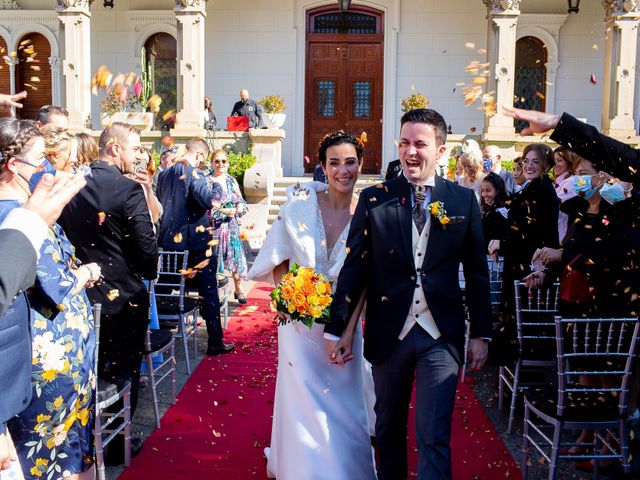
x=492, y=156
x=59, y=417
x=597, y=264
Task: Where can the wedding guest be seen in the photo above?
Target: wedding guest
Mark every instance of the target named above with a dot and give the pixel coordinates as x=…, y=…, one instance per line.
x=248, y=107
x=109, y=223
x=318, y=174
x=607, y=154
x=58, y=147
x=54, y=114
x=532, y=220
x=87, y=152
x=9, y=102
x=22, y=233
x=59, y=416
x=415, y=310
x=144, y=173
x=471, y=163
x=393, y=170
x=210, y=121
x=493, y=155
x=518, y=175
x=168, y=157
x=565, y=159
x=312, y=429
x=598, y=248
x=187, y=199
x=224, y=217
x=494, y=213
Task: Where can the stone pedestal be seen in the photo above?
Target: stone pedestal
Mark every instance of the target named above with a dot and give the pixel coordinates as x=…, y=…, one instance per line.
x=190, y=15
x=259, y=181
x=502, y=19
x=618, y=84
x=75, y=18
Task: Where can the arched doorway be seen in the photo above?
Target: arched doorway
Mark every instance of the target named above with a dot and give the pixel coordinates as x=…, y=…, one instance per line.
x=33, y=74
x=161, y=55
x=531, y=76
x=344, y=79
x=5, y=73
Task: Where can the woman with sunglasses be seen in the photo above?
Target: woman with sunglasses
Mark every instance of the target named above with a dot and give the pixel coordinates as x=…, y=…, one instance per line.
x=224, y=218
x=53, y=434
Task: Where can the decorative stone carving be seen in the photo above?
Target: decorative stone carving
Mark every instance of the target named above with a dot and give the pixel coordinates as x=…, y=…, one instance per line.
x=74, y=4
x=190, y=4
x=9, y=5
x=621, y=7
x=498, y=6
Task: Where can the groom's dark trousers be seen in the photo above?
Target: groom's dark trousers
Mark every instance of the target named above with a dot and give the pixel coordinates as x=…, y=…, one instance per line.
x=381, y=259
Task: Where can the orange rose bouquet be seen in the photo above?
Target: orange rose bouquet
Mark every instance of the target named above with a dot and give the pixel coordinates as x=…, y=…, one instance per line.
x=304, y=295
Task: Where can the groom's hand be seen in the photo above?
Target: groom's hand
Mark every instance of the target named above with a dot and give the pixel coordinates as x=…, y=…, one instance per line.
x=477, y=350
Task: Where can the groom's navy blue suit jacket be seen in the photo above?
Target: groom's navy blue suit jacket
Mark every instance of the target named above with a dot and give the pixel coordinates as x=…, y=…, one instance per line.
x=381, y=259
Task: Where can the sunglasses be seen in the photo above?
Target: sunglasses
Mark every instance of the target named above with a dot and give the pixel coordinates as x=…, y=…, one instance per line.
x=220, y=162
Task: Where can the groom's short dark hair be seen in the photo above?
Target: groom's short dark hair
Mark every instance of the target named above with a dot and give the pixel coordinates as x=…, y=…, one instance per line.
x=430, y=117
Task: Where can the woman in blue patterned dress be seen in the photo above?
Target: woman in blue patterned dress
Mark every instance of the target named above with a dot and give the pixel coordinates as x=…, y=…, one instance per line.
x=224, y=218
x=53, y=435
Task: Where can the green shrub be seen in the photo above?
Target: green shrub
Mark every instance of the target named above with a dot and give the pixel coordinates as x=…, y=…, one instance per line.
x=414, y=101
x=238, y=164
x=507, y=165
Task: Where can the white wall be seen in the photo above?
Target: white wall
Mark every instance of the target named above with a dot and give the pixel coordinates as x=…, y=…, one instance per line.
x=252, y=44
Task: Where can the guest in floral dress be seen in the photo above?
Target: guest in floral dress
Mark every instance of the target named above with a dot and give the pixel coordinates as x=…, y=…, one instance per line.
x=53, y=435
x=224, y=218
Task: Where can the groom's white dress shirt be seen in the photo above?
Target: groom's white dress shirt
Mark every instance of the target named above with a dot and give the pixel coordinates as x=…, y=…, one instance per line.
x=419, y=312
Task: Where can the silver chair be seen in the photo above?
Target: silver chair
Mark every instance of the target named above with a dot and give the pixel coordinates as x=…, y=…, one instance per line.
x=160, y=342
x=535, y=311
x=106, y=395
x=601, y=347
x=172, y=302
x=495, y=288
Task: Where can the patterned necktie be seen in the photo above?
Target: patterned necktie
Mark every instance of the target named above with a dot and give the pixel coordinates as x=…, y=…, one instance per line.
x=418, y=212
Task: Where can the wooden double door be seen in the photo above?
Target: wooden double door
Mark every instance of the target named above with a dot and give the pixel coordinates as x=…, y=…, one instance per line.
x=344, y=90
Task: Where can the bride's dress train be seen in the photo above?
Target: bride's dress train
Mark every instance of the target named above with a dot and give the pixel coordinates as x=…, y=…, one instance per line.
x=321, y=421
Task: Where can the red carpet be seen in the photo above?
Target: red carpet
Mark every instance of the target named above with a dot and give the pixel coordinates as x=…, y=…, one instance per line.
x=222, y=419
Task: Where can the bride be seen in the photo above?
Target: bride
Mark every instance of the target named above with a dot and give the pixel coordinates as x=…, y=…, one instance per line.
x=321, y=422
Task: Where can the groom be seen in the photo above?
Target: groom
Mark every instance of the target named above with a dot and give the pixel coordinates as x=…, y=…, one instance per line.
x=406, y=255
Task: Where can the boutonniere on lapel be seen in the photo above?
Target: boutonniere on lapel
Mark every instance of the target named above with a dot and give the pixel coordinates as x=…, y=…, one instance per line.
x=436, y=209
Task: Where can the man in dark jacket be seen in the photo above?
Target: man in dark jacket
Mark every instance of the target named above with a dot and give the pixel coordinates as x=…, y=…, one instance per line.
x=109, y=223
x=247, y=107
x=187, y=198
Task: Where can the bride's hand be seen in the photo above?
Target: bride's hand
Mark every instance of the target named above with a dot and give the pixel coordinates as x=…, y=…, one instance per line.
x=333, y=353
x=280, y=318
x=344, y=348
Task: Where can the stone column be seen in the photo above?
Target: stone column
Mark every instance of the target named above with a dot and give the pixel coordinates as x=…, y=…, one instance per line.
x=502, y=19
x=190, y=15
x=54, y=63
x=75, y=18
x=618, y=84
x=12, y=62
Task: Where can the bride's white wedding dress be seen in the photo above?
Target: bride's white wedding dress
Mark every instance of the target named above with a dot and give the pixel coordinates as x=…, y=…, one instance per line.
x=321, y=422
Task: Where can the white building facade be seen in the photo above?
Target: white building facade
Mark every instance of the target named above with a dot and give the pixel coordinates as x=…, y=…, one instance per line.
x=338, y=70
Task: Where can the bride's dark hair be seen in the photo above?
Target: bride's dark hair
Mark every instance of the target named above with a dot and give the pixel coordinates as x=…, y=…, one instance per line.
x=338, y=138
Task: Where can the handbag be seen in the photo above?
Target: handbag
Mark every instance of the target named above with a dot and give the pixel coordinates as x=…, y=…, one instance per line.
x=575, y=286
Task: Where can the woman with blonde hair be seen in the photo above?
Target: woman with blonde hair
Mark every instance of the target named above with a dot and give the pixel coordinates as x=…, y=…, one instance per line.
x=87, y=149
x=471, y=163
x=224, y=218
x=58, y=146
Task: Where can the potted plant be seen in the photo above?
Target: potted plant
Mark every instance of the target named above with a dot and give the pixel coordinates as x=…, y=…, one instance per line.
x=129, y=98
x=414, y=101
x=273, y=106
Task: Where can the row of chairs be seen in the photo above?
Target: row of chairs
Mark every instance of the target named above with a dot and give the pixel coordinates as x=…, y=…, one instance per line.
x=175, y=303
x=577, y=348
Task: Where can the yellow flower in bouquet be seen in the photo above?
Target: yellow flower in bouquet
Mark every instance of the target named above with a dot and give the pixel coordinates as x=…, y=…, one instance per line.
x=304, y=295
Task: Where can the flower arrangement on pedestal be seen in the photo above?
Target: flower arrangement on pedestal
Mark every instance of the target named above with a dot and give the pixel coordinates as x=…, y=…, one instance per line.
x=128, y=97
x=414, y=101
x=274, y=107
